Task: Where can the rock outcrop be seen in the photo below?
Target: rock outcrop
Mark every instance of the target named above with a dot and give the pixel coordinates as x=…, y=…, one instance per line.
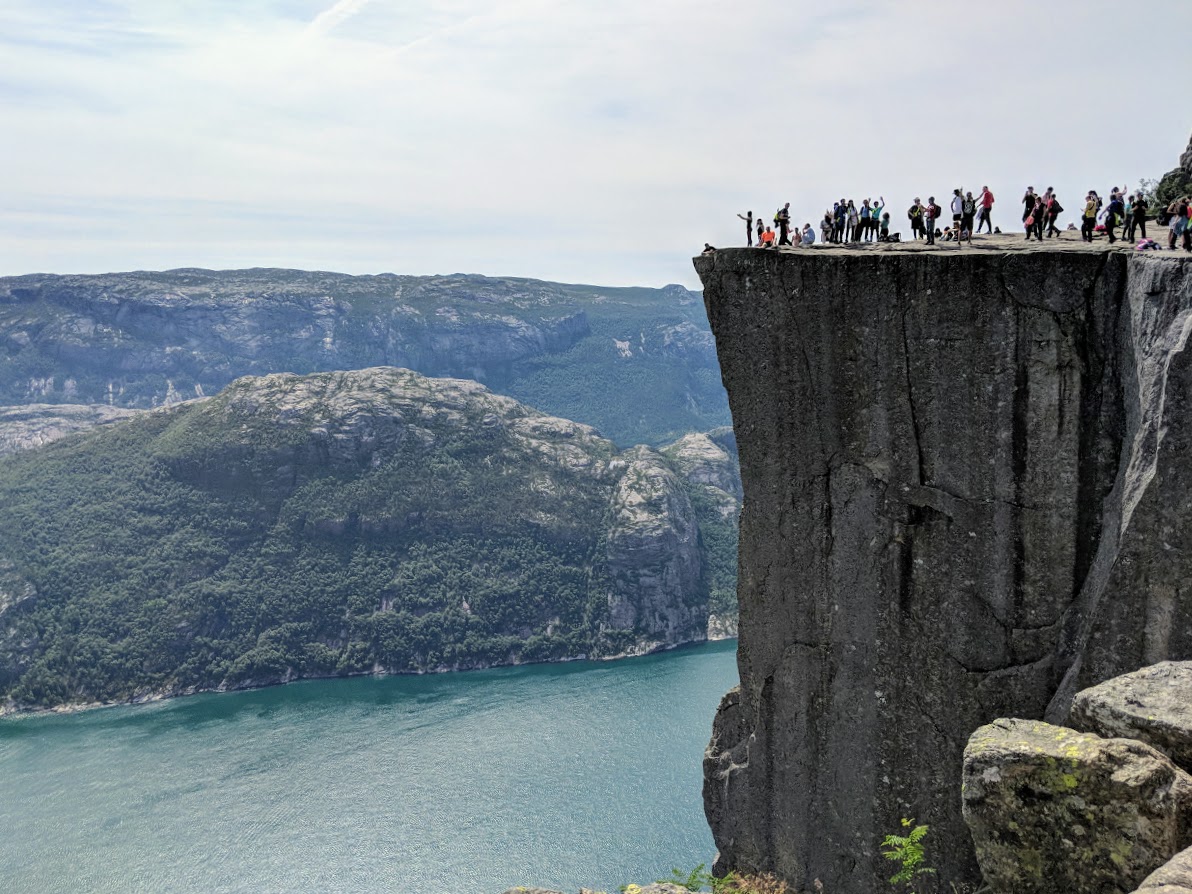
x=1153, y=705
x=33, y=425
x=1051, y=809
x=966, y=497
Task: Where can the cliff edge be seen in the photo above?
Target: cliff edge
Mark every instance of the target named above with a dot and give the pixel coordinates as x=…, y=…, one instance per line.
x=966, y=495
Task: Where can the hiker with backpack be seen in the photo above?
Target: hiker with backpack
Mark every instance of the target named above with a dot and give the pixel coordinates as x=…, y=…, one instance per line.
x=782, y=217
x=748, y=218
x=1054, y=210
x=1113, y=213
x=915, y=215
x=931, y=213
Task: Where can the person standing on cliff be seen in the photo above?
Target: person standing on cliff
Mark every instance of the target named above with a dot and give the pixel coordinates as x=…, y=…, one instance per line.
x=748, y=218
x=915, y=216
x=1028, y=204
x=986, y=210
x=875, y=213
x=968, y=212
x=761, y=228
x=1138, y=216
x=931, y=213
x=1054, y=210
x=783, y=219
x=1089, y=222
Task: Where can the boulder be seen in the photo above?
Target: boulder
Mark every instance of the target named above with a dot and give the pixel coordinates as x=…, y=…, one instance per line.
x=1054, y=810
x=1173, y=877
x=1153, y=704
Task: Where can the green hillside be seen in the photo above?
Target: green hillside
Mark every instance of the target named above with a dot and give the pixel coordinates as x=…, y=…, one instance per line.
x=343, y=523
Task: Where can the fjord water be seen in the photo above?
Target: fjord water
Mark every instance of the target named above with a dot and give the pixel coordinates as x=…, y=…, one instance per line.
x=558, y=775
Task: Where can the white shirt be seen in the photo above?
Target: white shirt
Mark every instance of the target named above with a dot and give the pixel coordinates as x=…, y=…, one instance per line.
x=957, y=205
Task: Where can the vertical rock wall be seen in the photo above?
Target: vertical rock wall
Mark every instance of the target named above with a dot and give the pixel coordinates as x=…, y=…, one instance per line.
x=965, y=496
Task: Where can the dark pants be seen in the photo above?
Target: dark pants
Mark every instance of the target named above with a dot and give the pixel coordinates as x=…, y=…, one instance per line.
x=1136, y=223
x=748, y=236
x=1110, y=226
x=784, y=233
x=985, y=220
x=1087, y=225
x=1052, y=229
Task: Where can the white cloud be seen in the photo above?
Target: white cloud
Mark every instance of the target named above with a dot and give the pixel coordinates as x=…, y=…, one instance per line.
x=335, y=15
x=556, y=138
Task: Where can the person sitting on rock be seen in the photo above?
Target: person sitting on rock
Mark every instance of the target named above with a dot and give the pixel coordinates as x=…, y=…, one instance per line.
x=826, y=227
x=709, y=248
x=767, y=238
x=808, y=235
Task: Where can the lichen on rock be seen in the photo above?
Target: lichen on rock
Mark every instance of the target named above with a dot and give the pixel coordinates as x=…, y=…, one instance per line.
x=1051, y=809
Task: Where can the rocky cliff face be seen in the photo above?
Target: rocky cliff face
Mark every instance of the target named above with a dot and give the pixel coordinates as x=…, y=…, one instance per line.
x=337, y=523
x=964, y=499
x=33, y=425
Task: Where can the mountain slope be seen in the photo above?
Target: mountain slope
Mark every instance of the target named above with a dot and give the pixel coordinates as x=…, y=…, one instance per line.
x=639, y=364
x=337, y=523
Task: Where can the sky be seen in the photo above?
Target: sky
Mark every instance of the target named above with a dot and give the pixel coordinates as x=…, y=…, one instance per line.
x=598, y=141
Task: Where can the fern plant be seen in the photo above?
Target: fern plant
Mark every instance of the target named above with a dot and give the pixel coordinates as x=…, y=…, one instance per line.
x=908, y=852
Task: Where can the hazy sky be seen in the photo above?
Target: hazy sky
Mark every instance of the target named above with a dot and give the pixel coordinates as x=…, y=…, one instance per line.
x=596, y=140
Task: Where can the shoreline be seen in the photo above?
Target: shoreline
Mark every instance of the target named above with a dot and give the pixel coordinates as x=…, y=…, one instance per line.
x=8, y=712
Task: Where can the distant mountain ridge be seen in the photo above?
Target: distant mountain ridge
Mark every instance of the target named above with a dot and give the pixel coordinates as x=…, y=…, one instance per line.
x=349, y=522
x=638, y=364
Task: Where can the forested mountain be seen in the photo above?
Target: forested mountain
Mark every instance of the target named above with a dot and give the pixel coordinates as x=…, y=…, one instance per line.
x=638, y=364
x=348, y=522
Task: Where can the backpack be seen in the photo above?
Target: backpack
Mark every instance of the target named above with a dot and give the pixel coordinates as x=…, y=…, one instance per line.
x=914, y=212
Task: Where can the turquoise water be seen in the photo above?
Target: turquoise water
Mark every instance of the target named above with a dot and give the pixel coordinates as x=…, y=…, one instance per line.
x=555, y=775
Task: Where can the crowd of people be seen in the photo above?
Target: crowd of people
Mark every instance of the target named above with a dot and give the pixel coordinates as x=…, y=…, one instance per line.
x=848, y=222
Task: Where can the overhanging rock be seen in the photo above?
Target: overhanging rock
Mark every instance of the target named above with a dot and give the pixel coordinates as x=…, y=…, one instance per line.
x=967, y=480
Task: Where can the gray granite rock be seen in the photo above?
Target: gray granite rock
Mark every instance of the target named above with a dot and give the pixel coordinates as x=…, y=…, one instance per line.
x=966, y=496
x=1173, y=877
x=33, y=425
x=1051, y=809
x=1152, y=704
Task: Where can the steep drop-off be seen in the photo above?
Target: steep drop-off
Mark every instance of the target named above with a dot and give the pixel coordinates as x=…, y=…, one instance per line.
x=639, y=364
x=967, y=493
x=341, y=523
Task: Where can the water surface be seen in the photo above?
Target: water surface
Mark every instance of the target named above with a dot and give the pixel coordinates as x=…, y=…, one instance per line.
x=556, y=775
